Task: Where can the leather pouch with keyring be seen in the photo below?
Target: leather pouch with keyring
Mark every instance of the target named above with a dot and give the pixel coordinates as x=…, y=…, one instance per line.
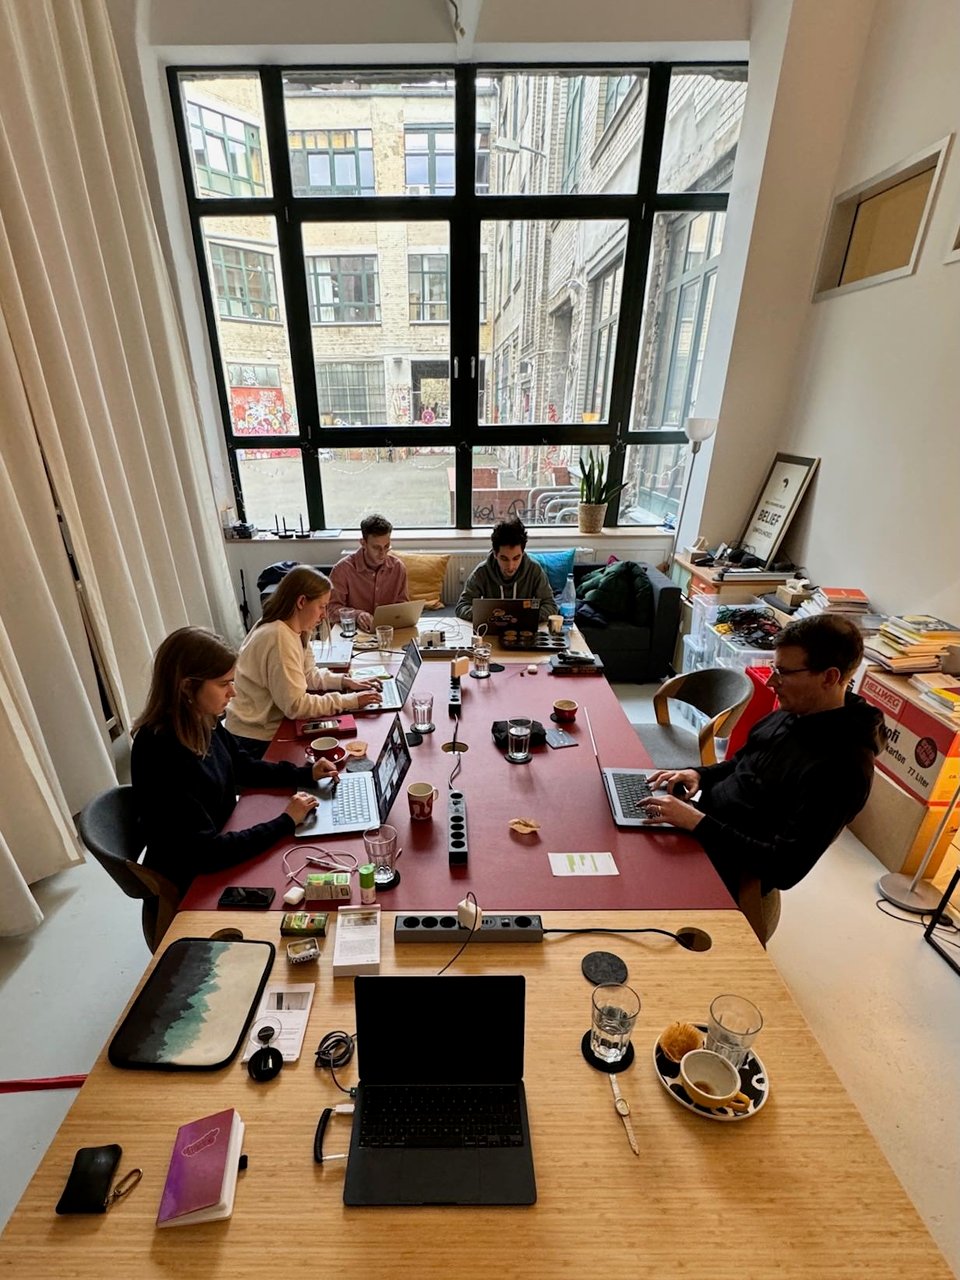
x=88, y=1186
x=500, y=730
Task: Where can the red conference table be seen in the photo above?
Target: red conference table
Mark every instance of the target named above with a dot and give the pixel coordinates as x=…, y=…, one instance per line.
x=561, y=789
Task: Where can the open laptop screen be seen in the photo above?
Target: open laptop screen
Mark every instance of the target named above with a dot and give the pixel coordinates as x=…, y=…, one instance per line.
x=391, y=767
x=450, y=1030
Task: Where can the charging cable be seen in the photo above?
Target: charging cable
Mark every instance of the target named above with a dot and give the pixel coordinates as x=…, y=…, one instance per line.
x=467, y=912
x=342, y=1109
x=325, y=859
x=336, y=1050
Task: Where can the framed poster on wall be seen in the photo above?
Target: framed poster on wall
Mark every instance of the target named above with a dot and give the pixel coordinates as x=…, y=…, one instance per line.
x=779, y=498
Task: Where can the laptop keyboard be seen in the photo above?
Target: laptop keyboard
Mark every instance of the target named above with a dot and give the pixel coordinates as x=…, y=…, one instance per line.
x=442, y=1116
x=631, y=789
x=351, y=803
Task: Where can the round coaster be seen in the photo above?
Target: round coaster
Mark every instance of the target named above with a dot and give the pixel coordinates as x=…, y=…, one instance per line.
x=556, y=719
x=611, y=1068
x=423, y=728
x=389, y=884
x=361, y=765
x=474, y=676
x=603, y=968
x=522, y=760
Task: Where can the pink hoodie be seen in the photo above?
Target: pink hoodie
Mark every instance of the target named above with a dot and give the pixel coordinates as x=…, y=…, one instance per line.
x=355, y=586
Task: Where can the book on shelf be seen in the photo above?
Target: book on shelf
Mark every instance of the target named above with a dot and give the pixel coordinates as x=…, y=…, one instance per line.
x=842, y=599
x=202, y=1176
x=878, y=649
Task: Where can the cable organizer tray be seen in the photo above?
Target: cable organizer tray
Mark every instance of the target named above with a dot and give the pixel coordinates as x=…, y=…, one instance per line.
x=541, y=642
x=193, y=1010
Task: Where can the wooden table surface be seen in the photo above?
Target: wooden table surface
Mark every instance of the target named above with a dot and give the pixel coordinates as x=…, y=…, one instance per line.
x=798, y=1190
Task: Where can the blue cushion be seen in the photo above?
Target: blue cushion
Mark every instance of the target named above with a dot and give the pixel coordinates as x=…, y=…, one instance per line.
x=557, y=565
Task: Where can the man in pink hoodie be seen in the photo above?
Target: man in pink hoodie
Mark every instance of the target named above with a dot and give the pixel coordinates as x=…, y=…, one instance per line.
x=369, y=577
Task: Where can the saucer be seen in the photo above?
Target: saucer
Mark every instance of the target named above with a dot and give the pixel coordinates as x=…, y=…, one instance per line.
x=556, y=719
x=753, y=1083
x=336, y=756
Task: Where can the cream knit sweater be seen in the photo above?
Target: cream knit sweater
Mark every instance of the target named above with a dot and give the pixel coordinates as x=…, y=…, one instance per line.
x=274, y=676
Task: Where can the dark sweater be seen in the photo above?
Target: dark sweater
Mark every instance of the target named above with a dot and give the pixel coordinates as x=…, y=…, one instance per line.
x=183, y=801
x=788, y=792
x=530, y=582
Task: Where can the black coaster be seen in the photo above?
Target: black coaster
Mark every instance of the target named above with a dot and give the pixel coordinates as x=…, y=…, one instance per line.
x=414, y=738
x=473, y=675
x=556, y=719
x=423, y=728
x=603, y=968
x=523, y=759
x=363, y=765
x=390, y=884
x=497, y=666
x=611, y=1068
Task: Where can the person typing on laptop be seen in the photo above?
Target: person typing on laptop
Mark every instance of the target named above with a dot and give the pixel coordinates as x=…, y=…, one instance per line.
x=803, y=773
x=508, y=573
x=277, y=675
x=369, y=577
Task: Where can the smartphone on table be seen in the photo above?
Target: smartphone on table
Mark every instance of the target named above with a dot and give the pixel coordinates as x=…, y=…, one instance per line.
x=242, y=896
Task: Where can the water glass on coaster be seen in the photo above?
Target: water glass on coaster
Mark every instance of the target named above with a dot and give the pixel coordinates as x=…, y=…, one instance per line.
x=380, y=845
x=732, y=1027
x=348, y=623
x=423, y=712
x=518, y=738
x=481, y=661
x=614, y=1013
x=420, y=797
x=384, y=638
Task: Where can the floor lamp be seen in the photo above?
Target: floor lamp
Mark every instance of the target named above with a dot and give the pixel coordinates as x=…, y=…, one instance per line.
x=912, y=895
x=696, y=430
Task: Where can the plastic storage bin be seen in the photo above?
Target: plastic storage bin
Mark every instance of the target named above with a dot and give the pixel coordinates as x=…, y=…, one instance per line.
x=731, y=652
x=692, y=656
x=706, y=608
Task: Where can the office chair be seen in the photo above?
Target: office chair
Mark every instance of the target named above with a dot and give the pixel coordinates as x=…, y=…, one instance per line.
x=721, y=693
x=761, y=911
x=109, y=829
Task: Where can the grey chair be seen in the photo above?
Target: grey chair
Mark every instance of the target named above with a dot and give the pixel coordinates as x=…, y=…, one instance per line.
x=109, y=829
x=720, y=693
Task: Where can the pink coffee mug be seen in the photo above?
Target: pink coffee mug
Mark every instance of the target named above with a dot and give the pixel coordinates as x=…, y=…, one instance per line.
x=421, y=796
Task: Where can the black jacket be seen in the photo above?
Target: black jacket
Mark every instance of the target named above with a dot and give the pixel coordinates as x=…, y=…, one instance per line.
x=183, y=801
x=788, y=792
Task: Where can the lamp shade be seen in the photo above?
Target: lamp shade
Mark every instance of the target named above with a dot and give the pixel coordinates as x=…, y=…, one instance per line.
x=699, y=429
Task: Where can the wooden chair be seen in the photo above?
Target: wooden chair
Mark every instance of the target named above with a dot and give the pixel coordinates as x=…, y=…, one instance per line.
x=761, y=910
x=109, y=829
x=719, y=692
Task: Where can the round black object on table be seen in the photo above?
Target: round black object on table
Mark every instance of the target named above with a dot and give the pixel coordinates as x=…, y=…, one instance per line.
x=603, y=968
x=611, y=1068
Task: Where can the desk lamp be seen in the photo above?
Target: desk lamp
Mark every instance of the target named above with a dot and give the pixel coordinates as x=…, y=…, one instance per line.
x=909, y=894
x=696, y=430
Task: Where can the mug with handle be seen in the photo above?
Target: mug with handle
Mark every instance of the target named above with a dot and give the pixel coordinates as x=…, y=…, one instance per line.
x=420, y=796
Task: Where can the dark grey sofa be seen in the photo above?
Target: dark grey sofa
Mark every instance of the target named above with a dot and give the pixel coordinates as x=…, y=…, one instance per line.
x=631, y=653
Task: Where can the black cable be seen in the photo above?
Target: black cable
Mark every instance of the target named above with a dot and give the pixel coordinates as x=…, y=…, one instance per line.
x=945, y=922
x=691, y=938
x=458, y=766
x=473, y=929
x=336, y=1050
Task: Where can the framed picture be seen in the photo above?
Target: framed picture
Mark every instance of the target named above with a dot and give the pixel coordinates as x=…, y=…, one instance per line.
x=783, y=488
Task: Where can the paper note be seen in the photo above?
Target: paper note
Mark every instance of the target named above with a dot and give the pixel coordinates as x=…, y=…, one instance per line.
x=285, y=1007
x=583, y=864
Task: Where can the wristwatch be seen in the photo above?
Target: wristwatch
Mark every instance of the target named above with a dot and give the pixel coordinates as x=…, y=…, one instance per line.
x=623, y=1111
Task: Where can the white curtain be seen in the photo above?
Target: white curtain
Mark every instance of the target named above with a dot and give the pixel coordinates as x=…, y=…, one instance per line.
x=97, y=396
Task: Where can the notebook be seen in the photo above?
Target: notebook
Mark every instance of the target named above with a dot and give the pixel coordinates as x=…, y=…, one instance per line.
x=398, y=616
x=625, y=789
x=444, y=1121
x=360, y=800
x=202, y=1176
x=504, y=615
x=395, y=692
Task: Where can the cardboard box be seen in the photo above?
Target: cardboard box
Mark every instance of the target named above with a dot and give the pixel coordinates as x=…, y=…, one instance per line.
x=897, y=828
x=922, y=748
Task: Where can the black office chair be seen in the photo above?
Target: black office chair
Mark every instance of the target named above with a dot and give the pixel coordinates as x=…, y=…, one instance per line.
x=109, y=829
x=721, y=693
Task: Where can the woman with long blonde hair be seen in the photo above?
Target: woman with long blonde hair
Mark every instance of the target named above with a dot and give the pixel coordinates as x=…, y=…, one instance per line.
x=277, y=675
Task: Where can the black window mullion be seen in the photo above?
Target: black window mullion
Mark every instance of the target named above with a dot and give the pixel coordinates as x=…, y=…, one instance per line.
x=464, y=293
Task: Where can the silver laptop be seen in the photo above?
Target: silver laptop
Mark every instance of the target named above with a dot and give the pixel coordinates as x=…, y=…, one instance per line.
x=360, y=800
x=395, y=692
x=398, y=616
x=625, y=789
x=522, y=614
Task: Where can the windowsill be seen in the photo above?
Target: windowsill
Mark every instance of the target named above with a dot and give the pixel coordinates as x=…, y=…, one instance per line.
x=410, y=537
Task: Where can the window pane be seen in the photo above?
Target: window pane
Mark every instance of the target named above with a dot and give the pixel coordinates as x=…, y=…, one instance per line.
x=540, y=484
x=227, y=138
x=653, y=474
x=676, y=318
x=550, y=132
x=555, y=308
x=272, y=484
x=354, y=121
x=704, y=114
x=413, y=487
x=391, y=277
x=242, y=266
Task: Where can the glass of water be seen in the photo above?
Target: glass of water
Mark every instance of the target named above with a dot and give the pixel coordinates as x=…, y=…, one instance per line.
x=481, y=661
x=614, y=1012
x=348, y=623
x=423, y=712
x=518, y=738
x=384, y=637
x=732, y=1027
x=380, y=847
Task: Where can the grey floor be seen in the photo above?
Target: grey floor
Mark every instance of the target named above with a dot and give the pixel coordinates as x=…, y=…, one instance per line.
x=883, y=1005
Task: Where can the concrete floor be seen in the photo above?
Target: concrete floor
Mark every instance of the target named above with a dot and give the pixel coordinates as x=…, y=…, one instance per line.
x=883, y=1005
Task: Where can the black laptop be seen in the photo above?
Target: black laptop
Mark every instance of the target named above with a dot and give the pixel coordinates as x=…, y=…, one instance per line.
x=441, y=1116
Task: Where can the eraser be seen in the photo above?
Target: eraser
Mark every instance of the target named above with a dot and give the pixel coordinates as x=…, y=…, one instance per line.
x=293, y=897
x=532, y=669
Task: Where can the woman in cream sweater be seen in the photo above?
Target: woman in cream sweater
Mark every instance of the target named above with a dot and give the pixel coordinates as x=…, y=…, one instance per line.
x=276, y=672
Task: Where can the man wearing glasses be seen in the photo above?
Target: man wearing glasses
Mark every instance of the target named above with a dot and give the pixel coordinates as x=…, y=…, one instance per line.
x=803, y=773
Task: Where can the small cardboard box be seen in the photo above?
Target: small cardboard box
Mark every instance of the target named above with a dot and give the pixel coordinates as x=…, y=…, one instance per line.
x=321, y=886
x=897, y=828
x=922, y=748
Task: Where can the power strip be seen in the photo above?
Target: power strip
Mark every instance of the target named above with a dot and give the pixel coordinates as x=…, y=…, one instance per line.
x=457, y=828
x=446, y=928
x=456, y=696
x=445, y=651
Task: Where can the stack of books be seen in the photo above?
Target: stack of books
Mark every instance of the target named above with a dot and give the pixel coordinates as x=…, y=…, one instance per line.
x=847, y=602
x=912, y=642
x=940, y=690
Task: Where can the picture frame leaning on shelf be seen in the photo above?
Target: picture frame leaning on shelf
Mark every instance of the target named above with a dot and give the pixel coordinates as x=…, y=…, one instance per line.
x=782, y=492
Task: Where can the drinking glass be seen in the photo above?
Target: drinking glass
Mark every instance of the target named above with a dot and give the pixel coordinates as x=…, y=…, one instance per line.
x=380, y=844
x=348, y=623
x=481, y=661
x=732, y=1027
x=614, y=1012
x=384, y=637
x=423, y=712
x=518, y=738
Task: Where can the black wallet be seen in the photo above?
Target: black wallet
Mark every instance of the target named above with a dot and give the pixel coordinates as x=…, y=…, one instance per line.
x=88, y=1187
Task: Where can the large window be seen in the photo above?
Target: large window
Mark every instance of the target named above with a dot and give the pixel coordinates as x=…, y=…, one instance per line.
x=374, y=314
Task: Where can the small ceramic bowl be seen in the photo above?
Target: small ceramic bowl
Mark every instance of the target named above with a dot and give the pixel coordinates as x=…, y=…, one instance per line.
x=709, y=1080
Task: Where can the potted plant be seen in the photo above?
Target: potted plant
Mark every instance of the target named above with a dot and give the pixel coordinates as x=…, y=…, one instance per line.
x=596, y=492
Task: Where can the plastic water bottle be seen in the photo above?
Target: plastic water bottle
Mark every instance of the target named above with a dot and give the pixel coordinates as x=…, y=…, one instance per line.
x=568, y=604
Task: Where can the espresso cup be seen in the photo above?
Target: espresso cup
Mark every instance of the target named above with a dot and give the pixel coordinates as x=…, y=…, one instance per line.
x=420, y=797
x=555, y=623
x=325, y=748
x=709, y=1080
x=565, y=711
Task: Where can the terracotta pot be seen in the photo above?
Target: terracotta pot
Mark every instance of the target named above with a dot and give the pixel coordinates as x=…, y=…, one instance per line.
x=590, y=516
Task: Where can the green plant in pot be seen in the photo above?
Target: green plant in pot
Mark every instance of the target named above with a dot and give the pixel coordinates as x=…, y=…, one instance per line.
x=596, y=492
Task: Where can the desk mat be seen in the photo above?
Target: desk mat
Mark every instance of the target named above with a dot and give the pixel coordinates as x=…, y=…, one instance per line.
x=194, y=1008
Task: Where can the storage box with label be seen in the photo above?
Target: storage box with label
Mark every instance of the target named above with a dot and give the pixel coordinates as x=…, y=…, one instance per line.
x=897, y=828
x=922, y=748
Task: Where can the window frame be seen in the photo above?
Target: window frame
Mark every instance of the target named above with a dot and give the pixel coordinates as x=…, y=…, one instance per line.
x=370, y=288
x=334, y=188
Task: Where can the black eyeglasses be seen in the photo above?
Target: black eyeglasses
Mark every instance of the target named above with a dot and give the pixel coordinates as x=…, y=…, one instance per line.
x=781, y=673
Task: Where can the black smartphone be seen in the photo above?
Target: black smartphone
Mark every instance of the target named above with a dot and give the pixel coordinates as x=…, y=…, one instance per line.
x=240, y=896
x=320, y=726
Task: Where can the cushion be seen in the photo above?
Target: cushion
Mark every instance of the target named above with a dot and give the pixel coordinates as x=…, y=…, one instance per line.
x=557, y=565
x=424, y=577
